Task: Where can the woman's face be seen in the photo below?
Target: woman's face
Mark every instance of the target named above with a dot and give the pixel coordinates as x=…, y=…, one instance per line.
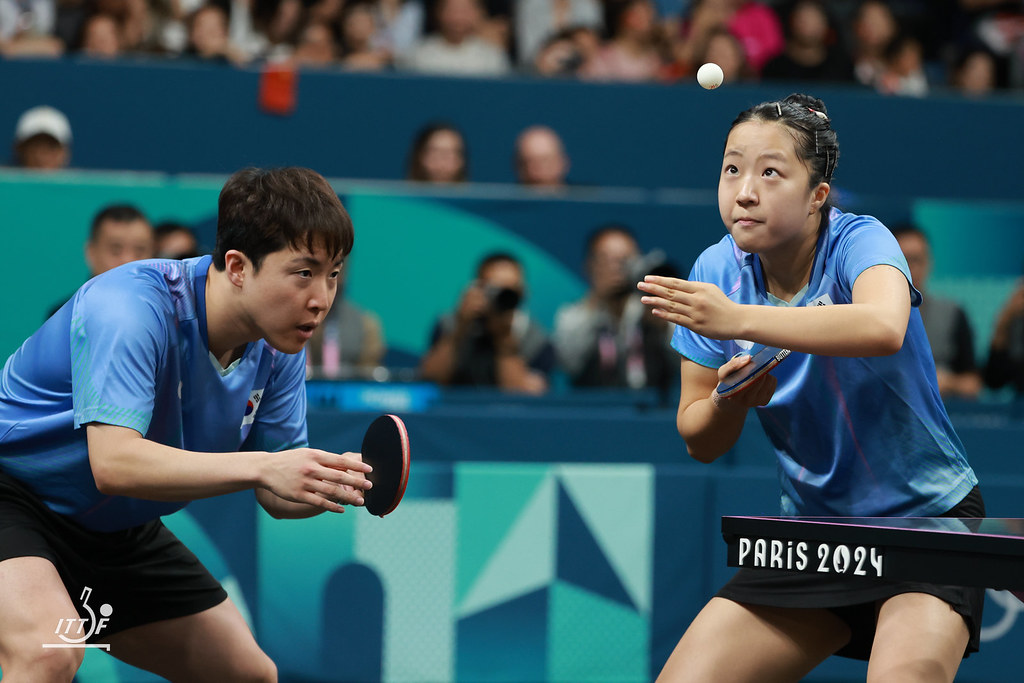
x=978, y=74
x=638, y=19
x=875, y=26
x=809, y=23
x=725, y=51
x=359, y=27
x=764, y=196
x=443, y=157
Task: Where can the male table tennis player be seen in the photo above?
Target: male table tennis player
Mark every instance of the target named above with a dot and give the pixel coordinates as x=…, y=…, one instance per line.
x=161, y=382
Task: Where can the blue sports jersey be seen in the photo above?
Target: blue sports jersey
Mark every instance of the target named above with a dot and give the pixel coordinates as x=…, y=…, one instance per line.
x=853, y=436
x=130, y=349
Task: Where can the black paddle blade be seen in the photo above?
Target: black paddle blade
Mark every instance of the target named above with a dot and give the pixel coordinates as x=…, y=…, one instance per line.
x=386, y=449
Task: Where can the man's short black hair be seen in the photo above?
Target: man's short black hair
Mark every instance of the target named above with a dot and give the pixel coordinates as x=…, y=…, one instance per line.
x=262, y=211
x=117, y=213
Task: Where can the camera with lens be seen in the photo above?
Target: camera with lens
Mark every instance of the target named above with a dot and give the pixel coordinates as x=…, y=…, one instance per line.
x=654, y=262
x=502, y=299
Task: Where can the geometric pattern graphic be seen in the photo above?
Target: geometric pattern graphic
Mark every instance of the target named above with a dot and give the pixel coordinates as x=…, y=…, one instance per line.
x=568, y=551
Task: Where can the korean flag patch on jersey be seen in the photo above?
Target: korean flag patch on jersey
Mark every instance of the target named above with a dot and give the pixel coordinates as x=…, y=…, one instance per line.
x=252, y=406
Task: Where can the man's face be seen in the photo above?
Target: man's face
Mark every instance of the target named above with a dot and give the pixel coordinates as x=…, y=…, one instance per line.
x=443, y=157
x=42, y=152
x=458, y=19
x=541, y=160
x=503, y=275
x=119, y=242
x=209, y=33
x=608, y=263
x=289, y=296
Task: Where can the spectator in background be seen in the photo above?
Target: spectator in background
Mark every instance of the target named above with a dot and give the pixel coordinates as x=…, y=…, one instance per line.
x=726, y=50
x=490, y=340
x=119, y=234
x=101, y=37
x=634, y=49
x=1005, y=364
x=42, y=139
x=975, y=73
x=316, y=47
x=903, y=73
x=945, y=322
x=27, y=28
x=874, y=28
x=457, y=48
x=169, y=29
x=399, y=25
x=607, y=339
x=538, y=20
x=323, y=11
x=557, y=56
x=175, y=240
x=755, y=26
x=998, y=26
x=717, y=45
x=208, y=37
x=349, y=342
x=359, y=50
x=134, y=21
x=541, y=161
x=567, y=52
x=438, y=155
x=813, y=50
x=270, y=29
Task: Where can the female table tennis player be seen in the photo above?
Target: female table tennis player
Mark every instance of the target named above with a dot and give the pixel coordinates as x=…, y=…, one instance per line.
x=854, y=414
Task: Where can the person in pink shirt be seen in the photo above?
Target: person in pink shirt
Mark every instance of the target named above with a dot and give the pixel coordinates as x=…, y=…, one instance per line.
x=633, y=51
x=754, y=24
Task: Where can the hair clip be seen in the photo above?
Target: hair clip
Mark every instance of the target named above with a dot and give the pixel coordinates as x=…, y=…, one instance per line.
x=778, y=106
x=830, y=158
x=820, y=114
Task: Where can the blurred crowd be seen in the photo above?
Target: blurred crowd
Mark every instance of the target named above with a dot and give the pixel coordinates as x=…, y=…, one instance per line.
x=605, y=339
x=902, y=47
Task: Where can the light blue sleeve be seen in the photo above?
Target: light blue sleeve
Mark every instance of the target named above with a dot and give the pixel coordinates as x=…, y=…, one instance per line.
x=118, y=339
x=280, y=423
x=864, y=243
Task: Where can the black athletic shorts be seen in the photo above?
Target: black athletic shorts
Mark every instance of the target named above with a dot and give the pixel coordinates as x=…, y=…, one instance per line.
x=144, y=574
x=854, y=600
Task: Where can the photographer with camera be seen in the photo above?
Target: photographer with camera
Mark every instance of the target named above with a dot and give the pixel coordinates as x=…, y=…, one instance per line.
x=490, y=340
x=607, y=338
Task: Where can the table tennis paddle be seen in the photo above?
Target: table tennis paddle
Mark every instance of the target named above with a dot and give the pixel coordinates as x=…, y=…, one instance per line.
x=386, y=449
x=760, y=363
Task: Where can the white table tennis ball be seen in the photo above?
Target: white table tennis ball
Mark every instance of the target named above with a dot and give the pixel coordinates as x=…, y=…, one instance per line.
x=710, y=76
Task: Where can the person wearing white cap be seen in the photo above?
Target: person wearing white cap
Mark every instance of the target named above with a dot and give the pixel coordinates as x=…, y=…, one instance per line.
x=42, y=139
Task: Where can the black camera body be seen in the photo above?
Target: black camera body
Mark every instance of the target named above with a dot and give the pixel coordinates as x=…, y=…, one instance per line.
x=654, y=262
x=502, y=299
